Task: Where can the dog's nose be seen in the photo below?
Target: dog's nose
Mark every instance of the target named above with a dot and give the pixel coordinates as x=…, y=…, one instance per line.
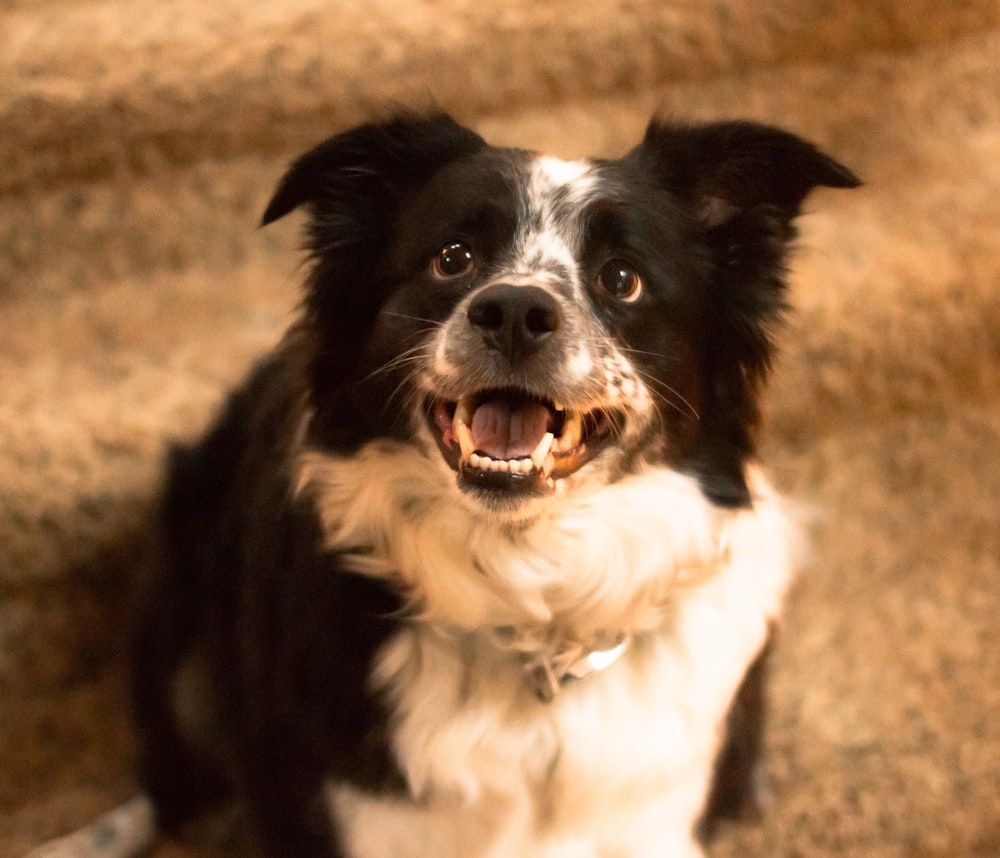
x=514, y=320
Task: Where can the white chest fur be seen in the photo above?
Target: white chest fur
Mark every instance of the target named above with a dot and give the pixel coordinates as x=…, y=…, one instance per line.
x=618, y=764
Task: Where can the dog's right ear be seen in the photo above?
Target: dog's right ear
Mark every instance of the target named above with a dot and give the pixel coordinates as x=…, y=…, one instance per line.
x=371, y=161
x=352, y=186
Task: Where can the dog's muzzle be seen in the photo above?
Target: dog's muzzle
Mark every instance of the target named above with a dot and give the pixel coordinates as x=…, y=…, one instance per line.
x=506, y=438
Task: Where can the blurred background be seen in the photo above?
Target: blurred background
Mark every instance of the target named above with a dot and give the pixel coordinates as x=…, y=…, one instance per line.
x=140, y=141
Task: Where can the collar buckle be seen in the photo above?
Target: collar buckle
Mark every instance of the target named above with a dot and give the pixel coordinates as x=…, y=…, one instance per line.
x=548, y=674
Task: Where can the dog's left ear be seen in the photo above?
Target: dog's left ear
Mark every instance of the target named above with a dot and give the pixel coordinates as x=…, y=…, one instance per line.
x=743, y=185
x=724, y=169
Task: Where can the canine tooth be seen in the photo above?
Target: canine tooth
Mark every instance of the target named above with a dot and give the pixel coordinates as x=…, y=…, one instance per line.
x=572, y=432
x=463, y=413
x=542, y=450
x=558, y=406
x=548, y=465
x=464, y=435
x=460, y=427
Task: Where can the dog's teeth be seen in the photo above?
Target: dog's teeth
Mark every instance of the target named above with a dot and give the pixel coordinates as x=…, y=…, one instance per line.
x=460, y=427
x=547, y=466
x=558, y=406
x=500, y=466
x=463, y=412
x=542, y=450
x=572, y=430
x=464, y=435
x=571, y=434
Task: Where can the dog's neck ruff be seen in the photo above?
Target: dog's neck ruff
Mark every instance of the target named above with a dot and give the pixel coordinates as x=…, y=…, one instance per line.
x=562, y=595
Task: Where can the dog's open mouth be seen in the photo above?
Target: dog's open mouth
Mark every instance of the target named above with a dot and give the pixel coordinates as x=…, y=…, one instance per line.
x=513, y=441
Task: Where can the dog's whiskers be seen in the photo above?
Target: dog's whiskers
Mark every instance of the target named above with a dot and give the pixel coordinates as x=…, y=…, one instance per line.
x=432, y=322
x=412, y=355
x=670, y=396
x=660, y=390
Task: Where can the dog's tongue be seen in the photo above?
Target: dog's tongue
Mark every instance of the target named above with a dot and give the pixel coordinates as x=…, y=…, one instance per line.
x=505, y=430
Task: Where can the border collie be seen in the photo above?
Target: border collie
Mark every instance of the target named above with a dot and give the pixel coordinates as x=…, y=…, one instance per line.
x=478, y=563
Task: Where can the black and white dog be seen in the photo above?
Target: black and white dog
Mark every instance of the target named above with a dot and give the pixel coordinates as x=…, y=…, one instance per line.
x=477, y=562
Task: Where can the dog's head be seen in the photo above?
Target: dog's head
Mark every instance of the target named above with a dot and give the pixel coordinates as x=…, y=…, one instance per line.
x=539, y=324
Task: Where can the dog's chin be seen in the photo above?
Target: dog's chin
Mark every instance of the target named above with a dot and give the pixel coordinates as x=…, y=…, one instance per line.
x=511, y=450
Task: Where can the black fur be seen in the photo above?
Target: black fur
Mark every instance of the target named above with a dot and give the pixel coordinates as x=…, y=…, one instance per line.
x=744, y=184
x=286, y=634
x=739, y=784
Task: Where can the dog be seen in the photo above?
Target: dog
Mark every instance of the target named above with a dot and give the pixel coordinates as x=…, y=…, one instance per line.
x=479, y=562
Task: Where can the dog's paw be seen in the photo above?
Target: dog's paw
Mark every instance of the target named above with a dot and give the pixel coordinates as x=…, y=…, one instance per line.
x=124, y=832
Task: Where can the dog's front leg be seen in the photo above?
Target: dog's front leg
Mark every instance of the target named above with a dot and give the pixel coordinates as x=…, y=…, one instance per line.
x=739, y=788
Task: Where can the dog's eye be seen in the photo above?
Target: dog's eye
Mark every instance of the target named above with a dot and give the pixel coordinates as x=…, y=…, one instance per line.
x=620, y=280
x=453, y=260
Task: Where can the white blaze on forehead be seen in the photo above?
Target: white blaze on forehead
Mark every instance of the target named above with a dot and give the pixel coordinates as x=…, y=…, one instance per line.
x=555, y=195
x=555, y=172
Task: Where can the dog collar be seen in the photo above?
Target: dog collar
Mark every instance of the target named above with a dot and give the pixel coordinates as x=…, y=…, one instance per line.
x=547, y=674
